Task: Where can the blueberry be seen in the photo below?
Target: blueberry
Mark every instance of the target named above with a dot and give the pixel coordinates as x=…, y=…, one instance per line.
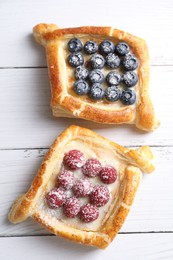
x=97, y=61
x=130, y=79
x=128, y=97
x=130, y=62
x=112, y=60
x=81, y=73
x=75, y=45
x=112, y=94
x=107, y=47
x=81, y=87
x=113, y=78
x=91, y=47
x=76, y=59
x=96, y=92
x=96, y=76
x=122, y=48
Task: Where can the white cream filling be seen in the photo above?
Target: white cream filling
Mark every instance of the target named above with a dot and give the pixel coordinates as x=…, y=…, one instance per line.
x=70, y=73
x=106, y=156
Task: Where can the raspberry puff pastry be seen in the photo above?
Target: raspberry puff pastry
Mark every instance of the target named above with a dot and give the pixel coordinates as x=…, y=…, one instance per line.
x=99, y=74
x=84, y=188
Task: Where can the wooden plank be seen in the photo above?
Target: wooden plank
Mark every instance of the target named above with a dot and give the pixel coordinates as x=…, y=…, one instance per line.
x=148, y=19
x=27, y=121
x=136, y=246
x=152, y=209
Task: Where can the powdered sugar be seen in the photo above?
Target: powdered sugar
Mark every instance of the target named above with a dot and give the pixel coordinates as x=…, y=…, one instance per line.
x=99, y=196
x=71, y=207
x=106, y=157
x=65, y=179
x=56, y=198
x=88, y=213
x=74, y=159
x=82, y=187
x=108, y=174
x=92, y=167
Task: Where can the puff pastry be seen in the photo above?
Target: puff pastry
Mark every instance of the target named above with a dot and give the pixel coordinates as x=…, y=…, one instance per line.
x=65, y=103
x=129, y=164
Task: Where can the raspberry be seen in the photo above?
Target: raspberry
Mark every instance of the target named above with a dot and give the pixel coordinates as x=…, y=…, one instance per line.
x=88, y=213
x=56, y=198
x=71, y=207
x=74, y=159
x=108, y=174
x=82, y=188
x=66, y=179
x=99, y=196
x=92, y=167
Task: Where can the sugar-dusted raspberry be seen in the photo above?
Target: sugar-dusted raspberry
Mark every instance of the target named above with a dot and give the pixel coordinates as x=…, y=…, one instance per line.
x=56, y=198
x=74, y=159
x=92, y=167
x=99, y=196
x=88, y=213
x=66, y=179
x=108, y=174
x=71, y=207
x=82, y=187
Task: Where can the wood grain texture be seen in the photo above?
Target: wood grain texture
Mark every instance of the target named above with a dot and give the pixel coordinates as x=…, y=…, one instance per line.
x=147, y=19
x=152, y=209
x=27, y=121
x=132, y=246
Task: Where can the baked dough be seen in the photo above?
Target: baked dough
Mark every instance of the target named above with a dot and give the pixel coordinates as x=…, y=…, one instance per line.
x=131, y=164
x=65, y=103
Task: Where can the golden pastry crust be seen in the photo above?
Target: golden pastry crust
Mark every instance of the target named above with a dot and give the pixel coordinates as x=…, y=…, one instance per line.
x=65, y=104
x=136, y=161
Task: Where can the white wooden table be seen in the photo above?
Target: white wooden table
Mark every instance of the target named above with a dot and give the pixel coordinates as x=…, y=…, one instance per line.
x=27, y=127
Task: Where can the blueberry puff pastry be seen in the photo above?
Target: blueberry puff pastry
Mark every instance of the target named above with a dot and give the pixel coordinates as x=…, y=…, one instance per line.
x=98, y=48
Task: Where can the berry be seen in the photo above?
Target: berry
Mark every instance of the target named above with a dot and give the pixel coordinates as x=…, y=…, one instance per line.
x=91, y=47
x=66, y=179
x=82, y=187
x=113, y=78
x=108, y=174
x=71, y=207
x=112, y=61
x=74, y=45
x=88, y=213
x=128, y=97
x=81, y=73
x=96, y=76
x=76, y=59
x=99, y=196
x=97, y=61
x=130, y=62
x=107, y=47
x=130, y=79
x=74, y=159
x=122, y=48
x=91, y=168
x=81, y=87
x=96, y=92
x=56, y=198
x=112, y=93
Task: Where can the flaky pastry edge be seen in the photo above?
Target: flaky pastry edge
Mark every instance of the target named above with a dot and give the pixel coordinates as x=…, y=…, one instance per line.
x=139, y=160
x=65, y=105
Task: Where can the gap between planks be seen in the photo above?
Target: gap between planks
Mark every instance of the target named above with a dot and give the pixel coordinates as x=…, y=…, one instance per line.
x=44, y=67
x=47, y=148
x=119, y=233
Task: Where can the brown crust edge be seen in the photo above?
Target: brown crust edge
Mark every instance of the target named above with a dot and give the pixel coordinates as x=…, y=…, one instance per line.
x=143, y=117
x=23, y=207
x=127, y=191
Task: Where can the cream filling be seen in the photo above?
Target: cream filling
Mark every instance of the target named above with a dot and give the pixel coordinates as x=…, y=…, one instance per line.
x=106, y=156
x=63, y=50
